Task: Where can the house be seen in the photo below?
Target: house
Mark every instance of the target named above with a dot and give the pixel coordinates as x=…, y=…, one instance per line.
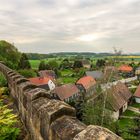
x=126, y=70
x=137, y=95
x=86, y=85
x=118, y=97
x=47, y=73
x=137, y=71
x=97, y=75
x=46, y=83
x=86, y=63
x=66, y=92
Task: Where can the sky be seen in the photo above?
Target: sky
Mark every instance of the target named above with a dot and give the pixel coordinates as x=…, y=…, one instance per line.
x=47, y=26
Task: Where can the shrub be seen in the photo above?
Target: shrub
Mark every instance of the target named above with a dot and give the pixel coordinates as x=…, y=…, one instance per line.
x=3, y=81
x=7, y=122
x=28, y=73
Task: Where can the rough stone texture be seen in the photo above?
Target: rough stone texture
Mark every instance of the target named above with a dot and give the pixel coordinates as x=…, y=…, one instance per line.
x=66, y=127
x=45, y=118
x=96, y=133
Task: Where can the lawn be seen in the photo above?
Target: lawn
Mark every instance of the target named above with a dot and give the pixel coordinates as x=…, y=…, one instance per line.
x=66, y=72
x=136, y=105
x=66, y=76
x=125, y=122
x=127, y=129
x=130, y=113
x=66, y=80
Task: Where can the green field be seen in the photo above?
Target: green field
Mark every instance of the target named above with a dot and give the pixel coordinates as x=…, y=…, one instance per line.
x=125, y=59
x=35, y=63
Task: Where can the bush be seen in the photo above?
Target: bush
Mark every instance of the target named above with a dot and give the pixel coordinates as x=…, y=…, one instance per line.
x=28, y=73
x=4, y=91
x=3, y=81
x=7, y=122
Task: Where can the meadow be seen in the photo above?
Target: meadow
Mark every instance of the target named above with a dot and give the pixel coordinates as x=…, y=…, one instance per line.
x=125, y=59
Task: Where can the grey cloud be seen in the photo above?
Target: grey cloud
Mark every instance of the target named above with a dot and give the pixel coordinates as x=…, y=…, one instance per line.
x=54, y=25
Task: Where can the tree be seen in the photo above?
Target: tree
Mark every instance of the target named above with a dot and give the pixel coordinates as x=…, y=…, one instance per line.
x=57, y=72
x=42, y=66
x=93, y=114
x=9, y=54
x=77, y=64
x=24, y=62
x=65, y=64
x=53, y=64
x=100, y=63
x=48, y=67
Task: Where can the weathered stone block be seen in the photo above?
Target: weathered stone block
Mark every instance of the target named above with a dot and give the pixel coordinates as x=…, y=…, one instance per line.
x=33, y=94
x=22, y=87
x=48, y=111
x=94, y=132
x=66, y=128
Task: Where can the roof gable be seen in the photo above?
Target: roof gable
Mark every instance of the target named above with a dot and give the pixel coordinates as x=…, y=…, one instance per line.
x=66, y=91
x=137, y=93
x=39, y=80
x=86, y=81
x=125, y=68
x=118, y=95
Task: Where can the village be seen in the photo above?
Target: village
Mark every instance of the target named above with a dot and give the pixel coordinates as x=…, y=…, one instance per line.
x=103, y=89
x=118, y=87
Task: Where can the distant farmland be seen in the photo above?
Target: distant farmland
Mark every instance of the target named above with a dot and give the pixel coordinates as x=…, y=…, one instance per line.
x=127, y=59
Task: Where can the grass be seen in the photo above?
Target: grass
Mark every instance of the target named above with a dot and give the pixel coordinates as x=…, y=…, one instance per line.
x=125, y=122
x=137, y=105
x=34, y=63
x=130, y=113
x=66, y=80
x=126, y=129
x=66, y=72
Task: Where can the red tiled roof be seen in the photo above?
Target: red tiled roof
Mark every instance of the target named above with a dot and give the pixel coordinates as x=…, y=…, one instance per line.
x=125, y=68
x=86, y=81
x=39, y=80
x=137, y=93
x=65, y=91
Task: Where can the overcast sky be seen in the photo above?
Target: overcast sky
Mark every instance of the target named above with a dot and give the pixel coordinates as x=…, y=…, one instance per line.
x=46, y=26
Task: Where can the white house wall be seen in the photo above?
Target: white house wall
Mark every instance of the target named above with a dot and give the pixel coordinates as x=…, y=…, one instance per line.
x=137, y=100
x=51, y=85
x=125, y=106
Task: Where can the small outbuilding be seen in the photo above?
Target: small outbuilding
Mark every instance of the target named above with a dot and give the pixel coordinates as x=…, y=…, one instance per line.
x=46, y=83
x=86, y=85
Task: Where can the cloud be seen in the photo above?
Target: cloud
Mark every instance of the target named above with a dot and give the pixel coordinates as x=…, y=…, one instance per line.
x=53, y=25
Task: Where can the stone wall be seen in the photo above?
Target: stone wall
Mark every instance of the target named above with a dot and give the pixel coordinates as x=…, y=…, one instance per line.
x=48, y=119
